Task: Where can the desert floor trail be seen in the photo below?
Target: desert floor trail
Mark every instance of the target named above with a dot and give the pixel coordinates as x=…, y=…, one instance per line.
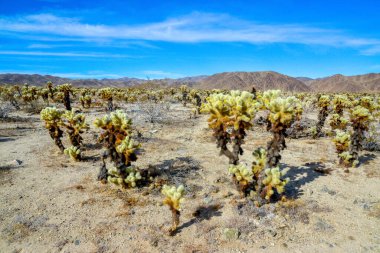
x=52, y=204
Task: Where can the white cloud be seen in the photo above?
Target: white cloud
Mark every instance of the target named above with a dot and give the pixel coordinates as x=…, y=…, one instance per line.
x=160, y=74
x=371, y=51
x=192, y=28
x=62, y=54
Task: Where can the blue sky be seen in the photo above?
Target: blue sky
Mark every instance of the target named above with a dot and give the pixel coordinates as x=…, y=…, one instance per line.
x=158, y=39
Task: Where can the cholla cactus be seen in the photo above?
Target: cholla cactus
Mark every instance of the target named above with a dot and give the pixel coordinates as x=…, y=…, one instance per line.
x=273, y=181
x=259, y=161
x=230, y=116
x=339, y=103
x=173, y=198
x=282, y=113
x=360, y=118
x=342, y=142
x=242, y=175
x=53, y=121
x=323, y=105
x=66, y=89
x=338, y=122
x=185, y=91
x=107, y=95
x=74, y=152
x=85, y=101
x=129, y=179
x=75, y=124
x=121, y=149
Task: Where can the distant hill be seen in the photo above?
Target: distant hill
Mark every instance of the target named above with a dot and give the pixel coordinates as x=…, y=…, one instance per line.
x=264, y=80
x=305, y=80
x=341, y=83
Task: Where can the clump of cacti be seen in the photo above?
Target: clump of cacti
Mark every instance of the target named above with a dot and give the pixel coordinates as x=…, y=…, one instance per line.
x=230, y=116
x=53, y=121
x=173, y=198
x=120, y=148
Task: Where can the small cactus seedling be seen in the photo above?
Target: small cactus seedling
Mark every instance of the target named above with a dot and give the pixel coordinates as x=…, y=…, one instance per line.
x=173, y=198
x=121, y=149
x=74, y=153
x=53, y=121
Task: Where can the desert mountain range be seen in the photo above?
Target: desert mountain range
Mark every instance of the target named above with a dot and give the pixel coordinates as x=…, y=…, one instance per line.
x=263, y=80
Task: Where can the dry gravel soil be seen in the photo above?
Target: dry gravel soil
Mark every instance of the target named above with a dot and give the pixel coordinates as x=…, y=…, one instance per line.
x=52, y=204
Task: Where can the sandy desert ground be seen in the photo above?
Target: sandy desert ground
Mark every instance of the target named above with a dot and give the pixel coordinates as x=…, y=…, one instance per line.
x=52, y=204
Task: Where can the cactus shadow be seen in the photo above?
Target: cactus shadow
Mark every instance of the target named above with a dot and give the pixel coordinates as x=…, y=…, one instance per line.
x=302, y=175
x=200, y=214
x=366, y=158
x=176, y=170
x=6, y=139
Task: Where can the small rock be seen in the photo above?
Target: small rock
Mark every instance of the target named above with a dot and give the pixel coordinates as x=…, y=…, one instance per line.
x=322, y=225
x=228, y=194
x=231, y=233
x=325, y=189
x=207, y=200
x=77, y=242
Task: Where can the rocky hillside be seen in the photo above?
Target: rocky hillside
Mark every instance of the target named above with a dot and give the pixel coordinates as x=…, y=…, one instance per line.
x=341, y=83
x=265, y=80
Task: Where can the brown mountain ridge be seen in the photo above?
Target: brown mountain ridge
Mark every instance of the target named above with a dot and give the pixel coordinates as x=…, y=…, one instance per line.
x=261, y=80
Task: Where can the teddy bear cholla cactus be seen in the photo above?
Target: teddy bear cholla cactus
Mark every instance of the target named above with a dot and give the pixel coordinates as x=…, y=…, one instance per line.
x=342, y=141
x=257, y=182
x=107, y=95
x=337, y=121
x=173, y=198
x=52, y=117
x=323, y=105
x=360, y=118
x=66, y=89
x=121, y=150
x=230, y=116
x=74, y=152
x=75, y=124
x=282, y=113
